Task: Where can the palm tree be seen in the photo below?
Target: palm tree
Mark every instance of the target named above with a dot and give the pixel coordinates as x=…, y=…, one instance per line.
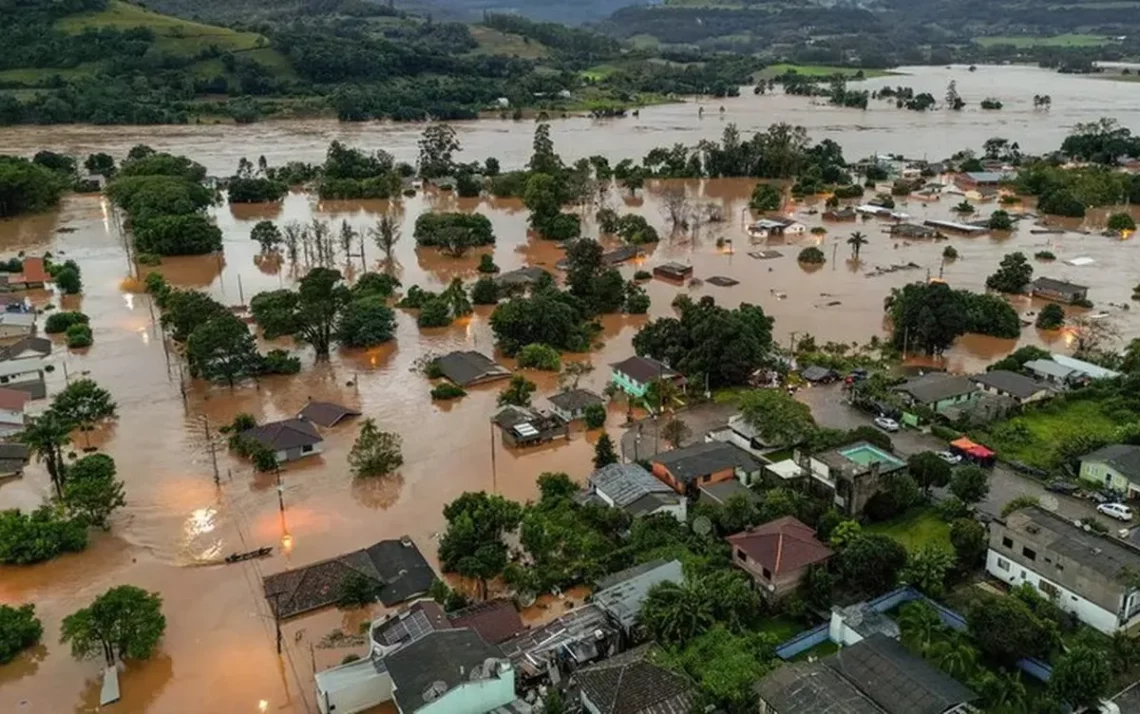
x=676, y=613
x=857, y=241
x=45, y=436
x=919, y=624
x=1001, y=692
x=954, y=656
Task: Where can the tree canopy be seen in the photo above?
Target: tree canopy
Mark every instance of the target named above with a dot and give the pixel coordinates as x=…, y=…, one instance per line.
x=125, y=622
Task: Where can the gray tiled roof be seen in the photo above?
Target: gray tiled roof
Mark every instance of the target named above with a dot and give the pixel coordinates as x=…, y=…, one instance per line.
x=810, y=687
x=622, y=594
x=692, y=462
x=936, y=386
x=1060, y=286
x=284, y=434
x=436, y=664
x=574, y=399
x=1012, y=383
x=643, y=369
x=626, y=483
x=1125, y=458
x=465, y=367
x=896, y=680
x=629, y=683
x=326, y=414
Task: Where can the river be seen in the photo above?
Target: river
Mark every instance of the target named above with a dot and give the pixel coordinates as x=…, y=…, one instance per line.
x=218, y=652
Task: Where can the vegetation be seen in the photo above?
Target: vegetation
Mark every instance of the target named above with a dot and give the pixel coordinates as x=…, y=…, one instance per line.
x=19, y=630
x=1012, y=275
x=79, y=336
x=539, y=356
x=1121, y=222
x=928, y=317
x=453, y=233
x=595, y=416
x=517, y=392
x=811, y=256
x=447, y=391
x=27, y=187
x=40, y=535
x=604, y=451
x=123, y=623
x=375, y=452
x=91, y=492
x=60, y=321
x=779, y=419
x=1051, y=317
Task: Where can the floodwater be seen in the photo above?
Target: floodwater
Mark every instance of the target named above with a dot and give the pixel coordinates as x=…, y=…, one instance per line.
x=218, y=654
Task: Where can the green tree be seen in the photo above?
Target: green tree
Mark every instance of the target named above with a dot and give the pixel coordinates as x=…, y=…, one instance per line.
x=357, y=590
x=871, y=563
x=438, y=145
x=386, y=234
x=19, y=629
x=970, y=542
x=125, y=622
x=375, y=452
x=473, y=545
x=539, y=356
x=544, y=160
x=45, y=436
x=926, y=569
x=321, y=297
x=919, y=624
x=1005, y=629
x=676, y=613
x=1012, y=275
x=222, y=350
x=595, y=416
x=485, y=291
x=925, y=317
x=365, y=322
x=92, y=492
x=970, y=484
x=79, y=336
x=1000, y=221
x=779, y=419
x=604, y=452
x=518, y=392
x=100, y=164
x=954, y=656
x=59, y=321
x=267, y=235
x=811, y=256
x=1081, y=677
x=1051, y=317
x=765, y=197
x=83, y=403
x=675, y=432
x=184, y=310
x=857, y=240
x=1121, y=222
x=67, y=278
x=929, y=470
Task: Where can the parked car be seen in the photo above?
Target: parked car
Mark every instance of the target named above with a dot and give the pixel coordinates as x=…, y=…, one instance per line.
x=1115, y=510
x=950, y=457
x=886, y=423
x=1066, y=487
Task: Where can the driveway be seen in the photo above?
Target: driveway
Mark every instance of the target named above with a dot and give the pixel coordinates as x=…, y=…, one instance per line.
x=641, y=440
x=830, y=409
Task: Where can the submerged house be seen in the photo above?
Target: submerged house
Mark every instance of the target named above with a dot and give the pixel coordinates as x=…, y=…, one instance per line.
x=634, y=375
x=523, y=426
x=1059, y=290
x=913, y=231
x=288, y=439
x=776, y=227
x=673, y=271
x=467, y=368
x=571, y=404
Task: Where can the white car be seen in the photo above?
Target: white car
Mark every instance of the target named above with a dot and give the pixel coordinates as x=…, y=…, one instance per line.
x=886, y=424
x=1115, y=510
x=950, y=457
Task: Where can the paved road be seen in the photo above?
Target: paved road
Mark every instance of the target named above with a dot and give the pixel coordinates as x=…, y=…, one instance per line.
x=641, y=441
x=831, y=410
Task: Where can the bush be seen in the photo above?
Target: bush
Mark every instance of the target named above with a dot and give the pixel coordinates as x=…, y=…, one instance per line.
x=642, y=275
x=1051, y=317
x=1061, y=202
x=431, y=228
x=61, y=321
x=280, y=362
x=1001, y=221
x=1121, y=222
x=148, y=259
x=539, y=356
x=852, y=191
x=19, y=629
x=263, y=459
x=812, y=256
x=485, y=291
x=1044, y=255
x=595, y=416
x=447, y=391
x=635, y=230
x=433, y=370
x=434, y=313
x=79, y=335
x=487, y=264
x=945, y=432
x=41, y=535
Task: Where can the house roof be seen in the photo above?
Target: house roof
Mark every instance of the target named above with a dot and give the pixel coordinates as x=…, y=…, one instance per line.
x=816, y=373
x=611, y=257
x=465, y=367
x=812, y=687
x=989, y=176
x=626, y=483
x=643, y=369
x=35, y=386
x=397, y=565
x=283, y=435
x=1018, y=385
x=1050, y=368
x=629, y=683
x=691, y=462
x=495, y=620
x=671, y=268
x=13, y=399
x=721, y=491
x=38, y=345
x=784, y=545
x=410, y=624
x=11, y=450
x=1125, y=458
x=18, y=319
x=1061, y=286
x=936, y=386
x=896, y=680
x=1094, y=371
x=510, y=415
x=574, y=633
x=622, y=594
x=34, y=272
x=326, y=414
x=522, y=276
x=437, y=663
x=1102, y=554
x=23, y=365
x=573, y=400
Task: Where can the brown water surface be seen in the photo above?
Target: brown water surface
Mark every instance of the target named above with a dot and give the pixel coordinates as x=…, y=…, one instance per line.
x=218, y=654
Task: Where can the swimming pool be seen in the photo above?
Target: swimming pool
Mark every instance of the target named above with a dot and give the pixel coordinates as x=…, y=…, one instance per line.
x=865, y=455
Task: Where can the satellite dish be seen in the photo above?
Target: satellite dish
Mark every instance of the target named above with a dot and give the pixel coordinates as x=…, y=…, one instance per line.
x=702, y=525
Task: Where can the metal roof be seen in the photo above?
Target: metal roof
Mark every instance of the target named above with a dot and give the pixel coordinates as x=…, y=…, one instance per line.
x=1094, y=371
x=625, y=483
x=623, y=599
x=936, y=386
x=1017, y=385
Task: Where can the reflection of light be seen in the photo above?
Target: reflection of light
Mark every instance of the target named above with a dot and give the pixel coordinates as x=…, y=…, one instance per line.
x=287, y=543
x=145, y=336
x=129, y=298
x=1070, y=337
x=1126, y=234
x=200, y=522
x=263, y=706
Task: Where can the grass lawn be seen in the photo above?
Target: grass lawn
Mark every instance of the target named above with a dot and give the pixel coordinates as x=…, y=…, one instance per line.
x=1031, y=438
x=916, y=528
x=600, y=71
x=823, y=649
x=784, y=628
x=819, y=70
x=494, y=42
x=1067, y=40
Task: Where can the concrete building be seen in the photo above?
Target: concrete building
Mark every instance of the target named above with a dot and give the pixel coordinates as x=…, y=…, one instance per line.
x=450, y=672
x=17, y=325
x=1012, y=385
x=1115, y=467
x=1078, y=570
x=850, y=475
x=776, y=227
x=934, y=391
x=12, y=404
x=467, y=368
x=622, y=594
x=636, y=491
x=777, y=555
x=740, y=433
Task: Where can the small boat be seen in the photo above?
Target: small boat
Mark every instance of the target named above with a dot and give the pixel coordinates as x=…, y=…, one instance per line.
x=249, y=555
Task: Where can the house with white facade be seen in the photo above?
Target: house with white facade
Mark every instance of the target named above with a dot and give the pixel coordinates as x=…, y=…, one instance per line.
x=634, y=490
x=1078, y=569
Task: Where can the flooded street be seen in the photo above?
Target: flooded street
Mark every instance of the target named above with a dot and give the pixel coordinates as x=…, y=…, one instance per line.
x=218, y=652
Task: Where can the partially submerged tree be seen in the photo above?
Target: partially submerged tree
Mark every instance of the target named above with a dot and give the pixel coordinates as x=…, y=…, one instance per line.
x=92, y=492
x=83, y=403
x=473, y=545
x=19, y=629
x=604, y=452
x=222, y=350
x=125, y=622
x=517, y=392
x=375, y=452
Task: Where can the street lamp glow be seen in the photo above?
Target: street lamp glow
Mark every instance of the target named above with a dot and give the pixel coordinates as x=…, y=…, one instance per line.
x=262, y=705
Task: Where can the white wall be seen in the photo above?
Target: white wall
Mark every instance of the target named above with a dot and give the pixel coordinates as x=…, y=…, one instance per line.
x=476, y=697
x=678, y=511
x=352, y=688
x=1085, y=610
x=839, y=633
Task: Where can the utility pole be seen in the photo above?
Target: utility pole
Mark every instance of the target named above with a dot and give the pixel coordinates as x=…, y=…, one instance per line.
x=241, y=293
x=213, y=456
x=494, y=473
x=277, y=618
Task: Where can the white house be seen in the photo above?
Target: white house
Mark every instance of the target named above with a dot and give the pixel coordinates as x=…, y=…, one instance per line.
x=1077, y=569
x=16, y=325
x=772, y=227
x=12, y=404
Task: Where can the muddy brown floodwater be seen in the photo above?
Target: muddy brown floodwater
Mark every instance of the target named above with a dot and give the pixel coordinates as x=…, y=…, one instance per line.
x=218, y=653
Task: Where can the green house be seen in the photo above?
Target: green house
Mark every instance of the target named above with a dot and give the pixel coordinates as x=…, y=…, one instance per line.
x=634, y=375
x=935, y=391
x=1116, y=466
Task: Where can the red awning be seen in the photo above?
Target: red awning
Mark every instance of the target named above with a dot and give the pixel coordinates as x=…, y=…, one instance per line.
x=980, y=452
x=963, y=443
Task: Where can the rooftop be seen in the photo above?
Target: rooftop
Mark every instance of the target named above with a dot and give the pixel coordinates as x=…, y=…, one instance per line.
x=896, y=680
x=936, y=386
x=1125, y=458
x=859, y=458
x=34, y=272
x=467, y=367
x=1102, y=554
x=495, y=620
x=643, y=369
x=691, y=462
x=626, y=483
x=1050, y=368
x=410, y=624
x=782, y=546
x=433, y=665
x=629, y=683
x=622, y=594
x=575, y=633
x=573, y=400
x=15, y=399
x=722, y=491
x=326, y=414
x=1059, y=286
x=283, y=435
x=1094, y=371
x=18, y=319
x=989, y=176
x=812, y=687
x=40, y=346
x=397, y=565
x=522, y=276
x=815, y=373
x=1018, y=385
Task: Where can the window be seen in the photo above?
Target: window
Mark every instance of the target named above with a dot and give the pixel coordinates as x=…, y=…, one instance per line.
x=1049, y=589
x=307, y=449
x=706, y=478
x=766, y=573
x=1007, y=542
x=740, y=555
x=1029, y=553
x=1003, y=564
